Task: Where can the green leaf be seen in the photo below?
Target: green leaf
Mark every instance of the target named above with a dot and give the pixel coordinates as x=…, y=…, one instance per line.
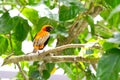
x=114, y=17
x=115, y=10
x=114, y=21
x=70, y=12
x=51, y=40
x=112, y=3
x=50, y=3
x=77, y=71
x=22, y=2
x=3, y=45
x=109, y=45
x=50, y=66
x=109, y=65
x=33, y=2
x=61, y=30
x=6, y=23
x=103, y=30
x=35, y=75
x=46, y=74
x=104, y=14
x=32, y=68
x=90, y=75
x=17, y=46
x=21, y=29
x=67, y=1
x=31, y=14
x=91, y=23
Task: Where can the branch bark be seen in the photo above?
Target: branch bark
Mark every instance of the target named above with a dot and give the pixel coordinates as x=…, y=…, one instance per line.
x=41, y=56
x=73, y=58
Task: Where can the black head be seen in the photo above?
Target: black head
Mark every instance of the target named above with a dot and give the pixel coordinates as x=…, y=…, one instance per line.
x=49, y=28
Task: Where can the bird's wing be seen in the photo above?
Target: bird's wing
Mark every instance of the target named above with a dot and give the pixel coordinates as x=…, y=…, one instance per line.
x=40, y=40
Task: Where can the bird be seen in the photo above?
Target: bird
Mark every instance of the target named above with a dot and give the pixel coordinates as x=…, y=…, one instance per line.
x=41, y=38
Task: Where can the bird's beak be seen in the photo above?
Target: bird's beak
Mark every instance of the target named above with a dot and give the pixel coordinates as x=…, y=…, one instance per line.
x=52, y=28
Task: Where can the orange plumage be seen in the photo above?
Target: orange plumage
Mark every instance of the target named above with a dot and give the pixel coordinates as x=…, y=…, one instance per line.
x=41, y=38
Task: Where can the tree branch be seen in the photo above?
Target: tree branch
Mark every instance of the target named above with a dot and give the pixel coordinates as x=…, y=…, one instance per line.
x=73, y=58
x=41, y=56
x=81, y=24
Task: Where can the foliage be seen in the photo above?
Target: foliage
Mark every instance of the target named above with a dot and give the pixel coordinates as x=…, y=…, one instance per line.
x=66, y=17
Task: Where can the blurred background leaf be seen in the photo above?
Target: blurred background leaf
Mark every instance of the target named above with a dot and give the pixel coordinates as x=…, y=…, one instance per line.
x=31, y=14
x=3, y=45
x=108, y=66
x=6, y=23
x=70, y=12
x=21, y=29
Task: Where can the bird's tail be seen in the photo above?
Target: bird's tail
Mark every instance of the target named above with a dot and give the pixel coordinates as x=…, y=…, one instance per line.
x=34, y=50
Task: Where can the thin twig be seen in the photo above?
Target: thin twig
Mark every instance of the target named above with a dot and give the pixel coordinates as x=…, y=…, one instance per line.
x=22, y=72
x=20, y=69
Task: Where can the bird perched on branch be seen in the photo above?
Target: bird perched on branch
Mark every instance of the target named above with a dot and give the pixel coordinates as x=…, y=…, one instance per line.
x=41, y=38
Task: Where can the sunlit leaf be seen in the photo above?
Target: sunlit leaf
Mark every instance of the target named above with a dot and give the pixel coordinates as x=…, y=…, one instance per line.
x=22, y=2
x=109, y=45
x=104, y=14
x=31, y=14
x=50, y=3
x=33, y=2
x=114, y=17
x=112, y=3
x=115, y=10
x=76, y=69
